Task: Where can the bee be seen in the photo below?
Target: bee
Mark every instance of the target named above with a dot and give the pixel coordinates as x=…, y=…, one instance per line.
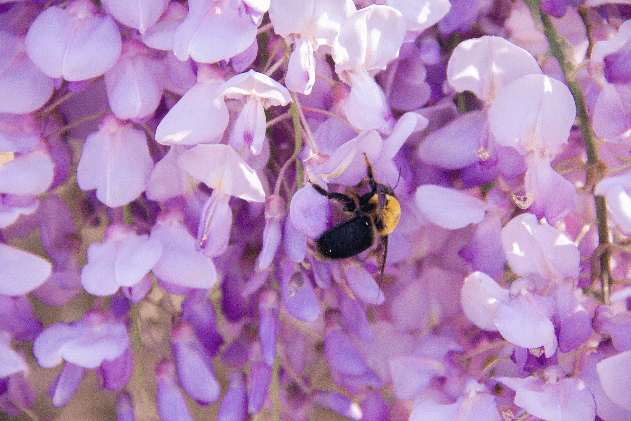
x=373, y=215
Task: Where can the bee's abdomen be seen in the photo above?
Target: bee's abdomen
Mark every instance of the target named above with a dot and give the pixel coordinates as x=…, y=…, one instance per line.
x=347, y=239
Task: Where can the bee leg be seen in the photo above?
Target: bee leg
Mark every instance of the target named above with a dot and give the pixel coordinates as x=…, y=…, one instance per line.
x=348, y=202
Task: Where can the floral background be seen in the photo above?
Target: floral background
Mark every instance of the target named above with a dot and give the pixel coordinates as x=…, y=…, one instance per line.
x=159, y=221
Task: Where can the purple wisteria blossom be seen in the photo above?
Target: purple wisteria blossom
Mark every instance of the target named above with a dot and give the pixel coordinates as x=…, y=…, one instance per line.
x=176, y=175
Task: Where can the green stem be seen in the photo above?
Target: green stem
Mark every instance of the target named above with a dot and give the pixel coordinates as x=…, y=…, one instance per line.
x=595, y=168
x=295, y=117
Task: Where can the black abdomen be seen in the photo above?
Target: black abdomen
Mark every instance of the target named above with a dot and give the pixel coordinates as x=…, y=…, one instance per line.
x=347, y=239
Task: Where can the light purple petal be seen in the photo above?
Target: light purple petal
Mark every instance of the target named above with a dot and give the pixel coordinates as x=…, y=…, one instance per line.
x=300, y=75
x=487, y=64
x=611, y=117
x=167, y=179
x=10, y=361
x=411, y=375
x=363, y=285
x=139, y=14
x=449, y=208
x=568, y=399
x=534, y=248
x=255, y=84
x=533, y=114
x=97, y=276
x=340, y=404
x=369, y=39
x=523, y=322
x=194, y=367
x=454, y=145
x=116, y=162
x=23, y=87
x=215, y=222
x=308, y=211
x=180, y=264
x=200, y=116
x=297, y=293
x=480, y=297
x=234, y=406
x=249, y=128
x=420, y=15
x=203, y=33
x=66, y=384
x=21, y=272
x=134, y=85
x=554, y=196
x=86, y=343
x=28, y=174
x=366, y=106
x=74, y=43
x=221, y=167
x=615, y=377
x=169, y=398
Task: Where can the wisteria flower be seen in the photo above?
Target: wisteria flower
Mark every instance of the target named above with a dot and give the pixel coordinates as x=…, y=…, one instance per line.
x=258, y=92
x=123, y=260
x=75, y=43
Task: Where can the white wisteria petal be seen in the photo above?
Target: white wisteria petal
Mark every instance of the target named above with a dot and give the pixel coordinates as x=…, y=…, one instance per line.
x=533, y=114
x=612, y=119
x=23, y=86
x=566, y=399
x=317, y=20
x=420, y=14
x=366, y=106
x=250, y=127
x=553, y=195
x=74, y=43
x=369, y=40
x=300, y=75
x=138, y=14
x=449, y=208
x=487, y=64
x=212, y=32
x=539, y=249
x=199, y=116
x=221, y=167
x=615, y=378
x=480, y=296
x=253, y=83
x=617, y=194
x=215, y=223
x=522, y=321
x=22, y=271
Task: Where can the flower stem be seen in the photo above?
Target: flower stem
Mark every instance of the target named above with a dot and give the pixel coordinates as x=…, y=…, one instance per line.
x=595, y=168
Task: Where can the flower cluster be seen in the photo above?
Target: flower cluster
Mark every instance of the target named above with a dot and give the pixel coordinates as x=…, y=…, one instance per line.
x=170, y=172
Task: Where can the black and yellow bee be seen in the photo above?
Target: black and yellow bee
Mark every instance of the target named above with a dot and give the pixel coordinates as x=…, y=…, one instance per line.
x=374, y=215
